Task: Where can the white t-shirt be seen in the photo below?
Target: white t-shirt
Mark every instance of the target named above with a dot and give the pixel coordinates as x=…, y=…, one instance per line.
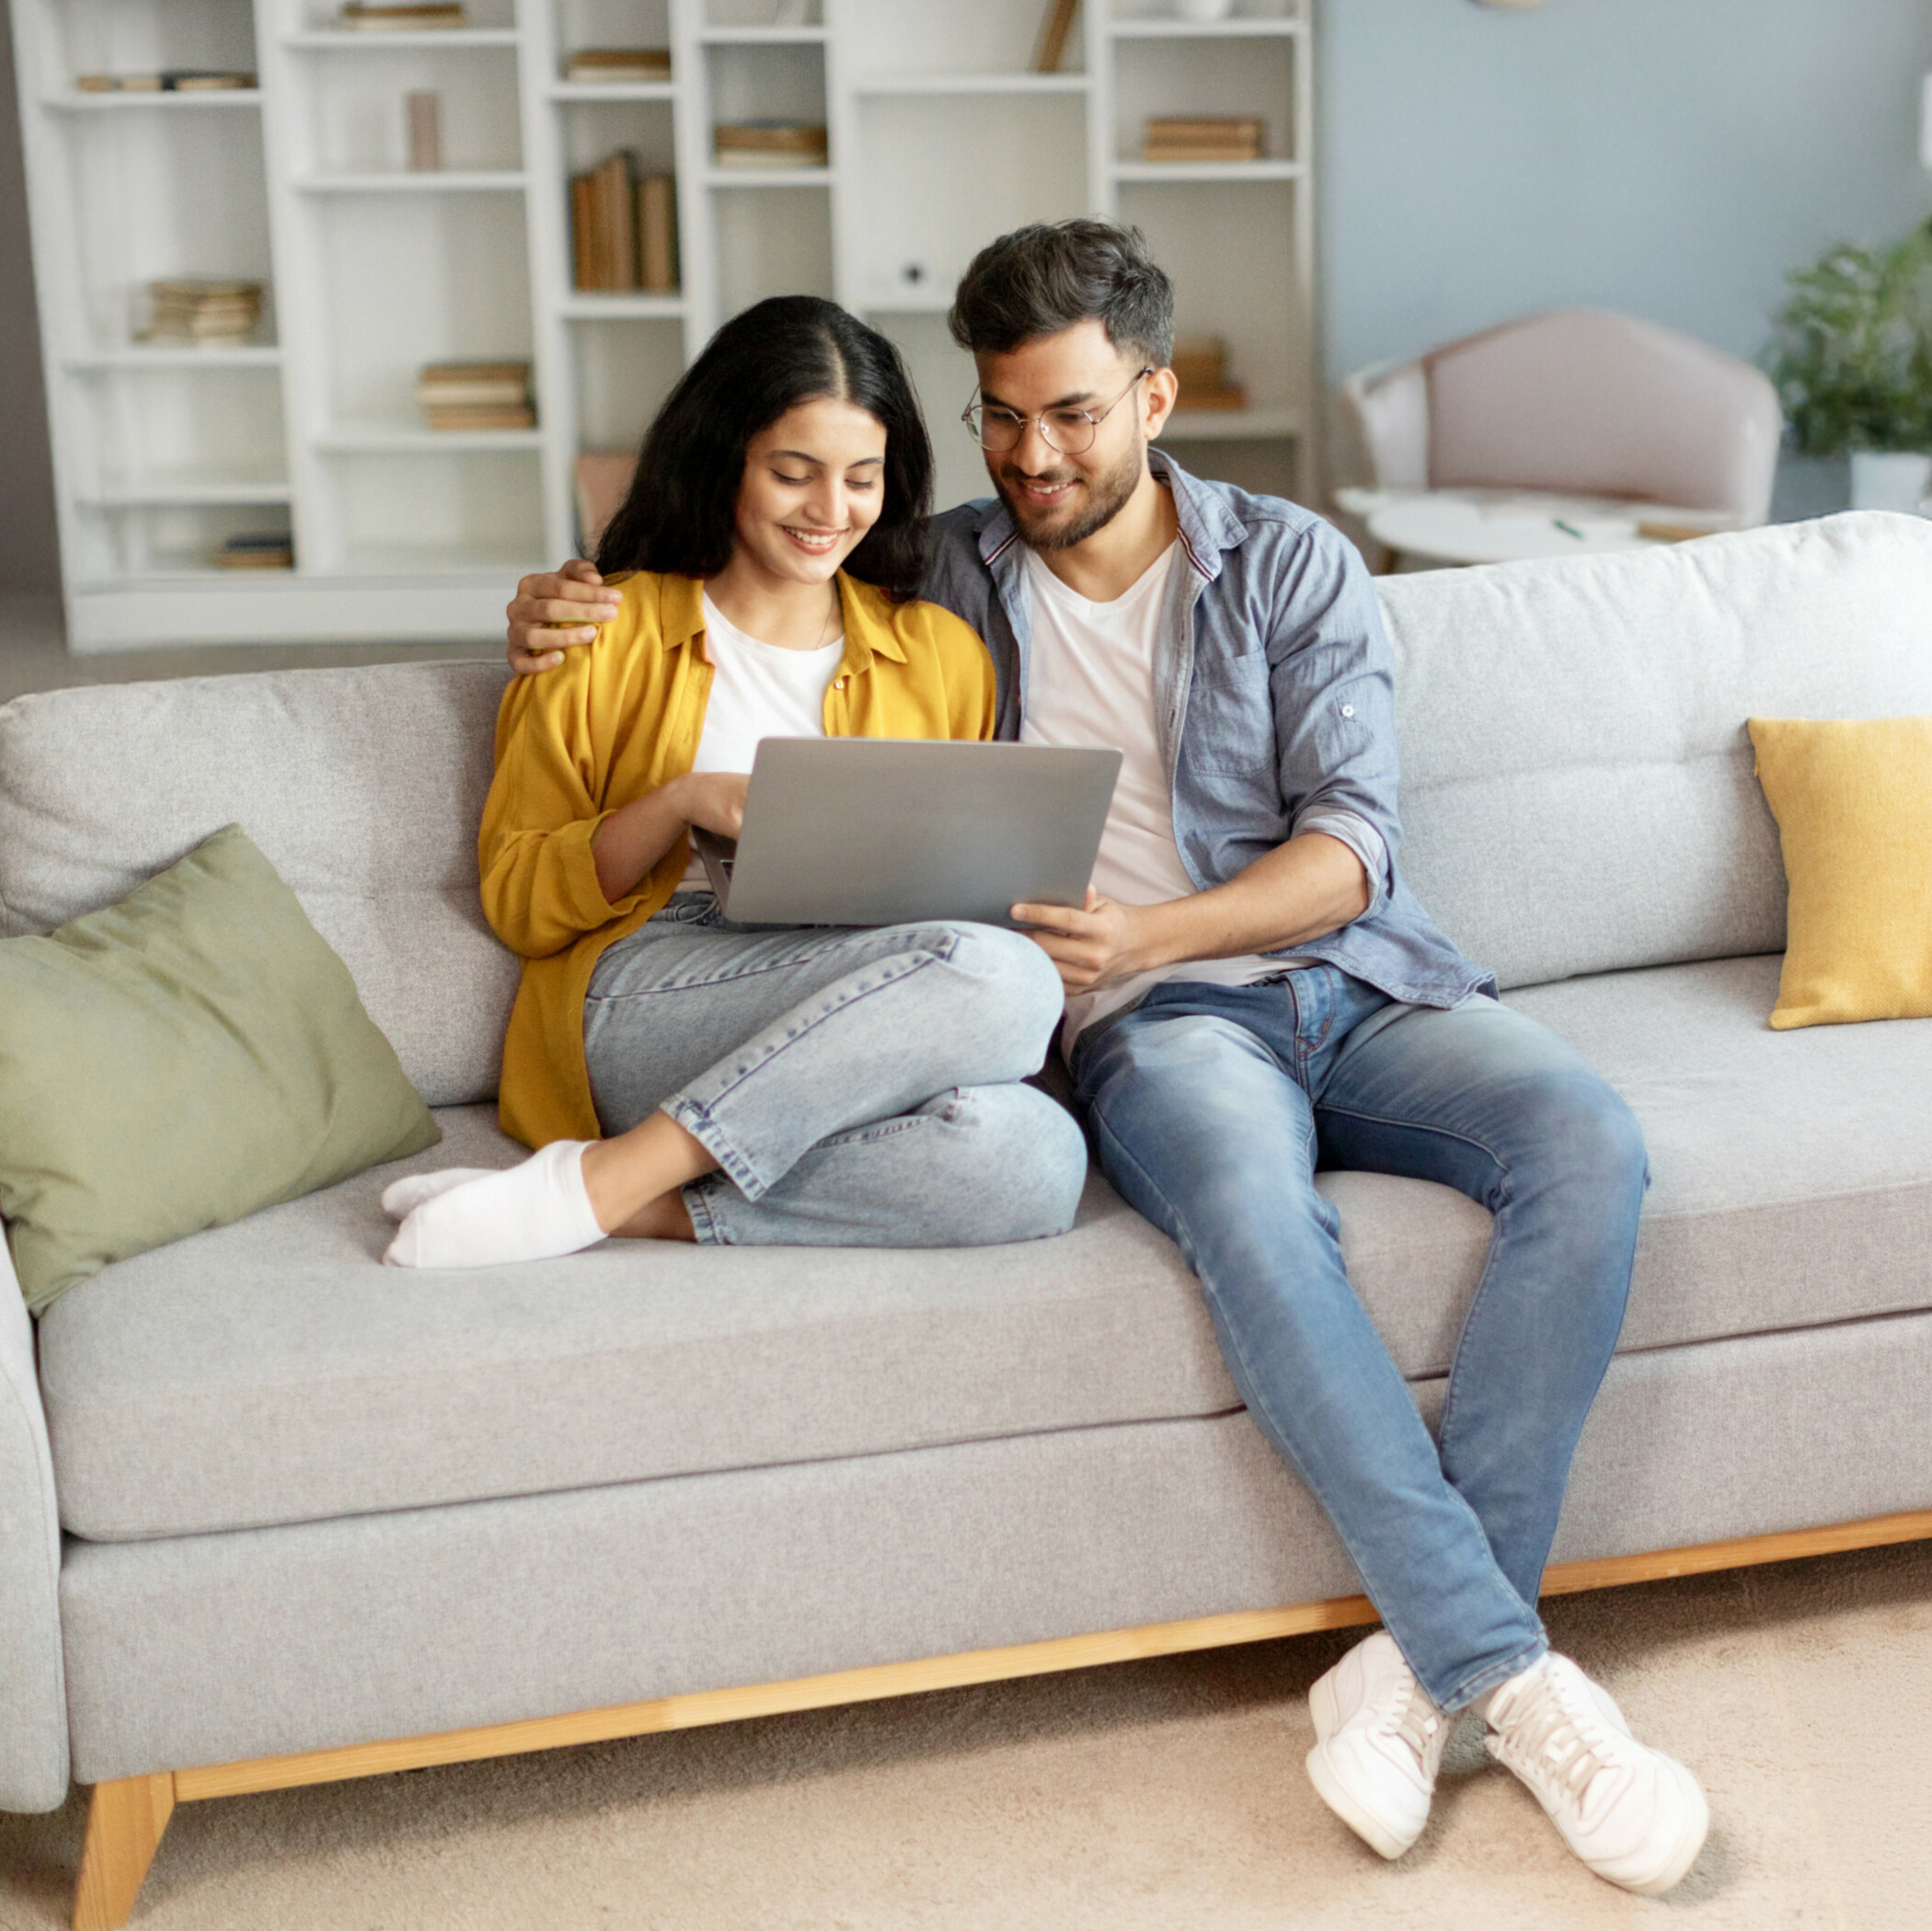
x=758, y=690
x=1090, y=681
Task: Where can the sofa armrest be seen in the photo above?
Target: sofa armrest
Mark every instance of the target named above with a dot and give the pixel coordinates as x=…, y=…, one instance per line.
x=33, y=1688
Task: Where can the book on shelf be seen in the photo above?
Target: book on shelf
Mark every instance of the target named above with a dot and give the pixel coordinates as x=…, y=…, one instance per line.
x=770, y=144
x=1055, y=24
x=250, y=552
x=1200, y=366
x=183, y=310
x=361, y=18
x=612, y=66
x=1202, y=137
x=657, y=234
x=623, y=228
x=459, y=396
x=171, y=80
x=522, y=416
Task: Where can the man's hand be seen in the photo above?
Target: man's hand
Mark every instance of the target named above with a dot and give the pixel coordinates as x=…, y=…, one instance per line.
x=553, y=612
x=1096, y=946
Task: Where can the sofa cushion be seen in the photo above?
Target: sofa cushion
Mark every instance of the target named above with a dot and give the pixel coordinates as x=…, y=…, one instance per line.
x=1853, y=800
x=363, y=787
x=179, y=1061
x=272, y=1372
x=1577, y=793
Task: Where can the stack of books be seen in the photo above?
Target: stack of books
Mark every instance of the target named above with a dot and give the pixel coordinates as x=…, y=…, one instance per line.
x=172, y=80
x=610, y=66
x=1200, y=365
x=624, y=227
x=476, y=395
x=1202, y=137
x=271, y=552
x=213, y=314
x=403, y=17
x=771, y=143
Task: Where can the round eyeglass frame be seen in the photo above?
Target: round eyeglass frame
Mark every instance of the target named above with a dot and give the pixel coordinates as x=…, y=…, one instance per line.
x=974, y=417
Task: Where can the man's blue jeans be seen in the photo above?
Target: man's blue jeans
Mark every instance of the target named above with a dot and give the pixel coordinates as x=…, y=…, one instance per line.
x=1209, y=1106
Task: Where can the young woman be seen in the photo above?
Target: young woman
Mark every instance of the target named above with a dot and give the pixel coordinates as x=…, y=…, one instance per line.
x=843, y=1087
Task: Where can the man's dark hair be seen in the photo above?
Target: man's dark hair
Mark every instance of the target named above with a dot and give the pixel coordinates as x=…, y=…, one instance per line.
x=681, y=513
x=1040, y=280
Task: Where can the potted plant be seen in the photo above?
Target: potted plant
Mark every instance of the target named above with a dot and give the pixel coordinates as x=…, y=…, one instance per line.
x=1852, y=358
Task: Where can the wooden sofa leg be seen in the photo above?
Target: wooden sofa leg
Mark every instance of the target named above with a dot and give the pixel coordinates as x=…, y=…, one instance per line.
x=124, y=1825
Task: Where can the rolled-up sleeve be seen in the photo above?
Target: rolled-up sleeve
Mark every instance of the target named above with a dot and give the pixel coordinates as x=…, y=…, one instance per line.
x=1331, y=675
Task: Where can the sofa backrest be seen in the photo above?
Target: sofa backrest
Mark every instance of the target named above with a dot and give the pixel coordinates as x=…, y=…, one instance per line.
x=363, y=788
x=1576, y=780
x=1577, y=789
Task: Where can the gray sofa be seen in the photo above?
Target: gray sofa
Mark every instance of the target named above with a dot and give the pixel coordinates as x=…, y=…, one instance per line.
x=262, y=1499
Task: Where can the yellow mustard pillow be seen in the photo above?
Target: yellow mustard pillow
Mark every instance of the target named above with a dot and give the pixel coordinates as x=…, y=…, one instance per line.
x=1853, y=802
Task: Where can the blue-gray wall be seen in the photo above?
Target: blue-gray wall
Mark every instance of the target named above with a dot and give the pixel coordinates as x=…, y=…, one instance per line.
x=1671, y=158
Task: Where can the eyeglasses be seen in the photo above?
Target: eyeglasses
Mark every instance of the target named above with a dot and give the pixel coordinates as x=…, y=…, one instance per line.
x=1070, y=431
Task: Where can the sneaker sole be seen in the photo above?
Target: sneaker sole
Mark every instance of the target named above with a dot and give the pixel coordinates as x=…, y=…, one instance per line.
x=1336, y=1796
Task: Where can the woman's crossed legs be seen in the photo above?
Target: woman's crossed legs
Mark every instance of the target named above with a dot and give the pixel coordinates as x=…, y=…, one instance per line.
x=834, y=1088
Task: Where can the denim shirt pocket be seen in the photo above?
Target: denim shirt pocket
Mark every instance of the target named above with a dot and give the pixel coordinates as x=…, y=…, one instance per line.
x=1230, y=720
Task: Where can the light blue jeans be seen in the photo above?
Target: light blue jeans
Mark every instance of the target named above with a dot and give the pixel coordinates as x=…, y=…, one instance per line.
x=1210, y=1105
x=857, y=1087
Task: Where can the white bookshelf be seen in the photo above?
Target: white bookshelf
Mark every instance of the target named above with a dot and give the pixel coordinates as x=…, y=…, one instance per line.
x=940, y=138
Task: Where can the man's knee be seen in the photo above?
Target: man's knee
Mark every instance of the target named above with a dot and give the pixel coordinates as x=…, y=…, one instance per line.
x=1585, y=1127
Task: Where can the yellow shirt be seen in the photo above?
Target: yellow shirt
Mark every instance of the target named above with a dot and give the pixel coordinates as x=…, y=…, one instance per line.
x=617, y=719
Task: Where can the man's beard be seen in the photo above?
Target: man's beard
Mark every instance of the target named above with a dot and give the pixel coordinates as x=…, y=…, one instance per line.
x=1107, y=496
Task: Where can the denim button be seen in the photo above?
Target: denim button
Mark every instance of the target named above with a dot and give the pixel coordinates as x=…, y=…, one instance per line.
x=1348, y=710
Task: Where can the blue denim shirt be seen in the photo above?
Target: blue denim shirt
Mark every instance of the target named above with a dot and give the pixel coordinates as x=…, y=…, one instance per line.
x=1274, y=703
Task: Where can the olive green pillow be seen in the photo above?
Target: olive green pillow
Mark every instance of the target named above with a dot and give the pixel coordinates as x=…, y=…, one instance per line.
x=179, y=1060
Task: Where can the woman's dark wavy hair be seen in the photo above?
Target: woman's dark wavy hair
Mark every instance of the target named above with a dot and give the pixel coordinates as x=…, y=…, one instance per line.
x=679, y=515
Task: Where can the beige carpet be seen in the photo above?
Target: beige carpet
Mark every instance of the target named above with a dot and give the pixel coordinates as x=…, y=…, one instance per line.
x=1165, y=1796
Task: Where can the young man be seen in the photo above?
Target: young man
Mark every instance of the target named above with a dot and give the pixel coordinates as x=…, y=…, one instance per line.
x=1251, y=978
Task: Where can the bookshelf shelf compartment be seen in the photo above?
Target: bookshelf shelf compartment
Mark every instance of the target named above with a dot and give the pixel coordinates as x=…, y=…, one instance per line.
x=939, y=136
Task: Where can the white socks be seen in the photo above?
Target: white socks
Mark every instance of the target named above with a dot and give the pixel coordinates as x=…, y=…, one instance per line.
x=469, y=1216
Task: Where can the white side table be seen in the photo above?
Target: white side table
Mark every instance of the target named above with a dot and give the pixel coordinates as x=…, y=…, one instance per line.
x=1456, y=526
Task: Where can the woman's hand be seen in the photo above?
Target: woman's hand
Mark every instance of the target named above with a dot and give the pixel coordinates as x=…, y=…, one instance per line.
x=635, y=836
x=556, y=612
x=712, y=800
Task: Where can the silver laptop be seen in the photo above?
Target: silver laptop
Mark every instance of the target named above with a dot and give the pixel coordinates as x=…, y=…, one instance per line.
x=890, y=831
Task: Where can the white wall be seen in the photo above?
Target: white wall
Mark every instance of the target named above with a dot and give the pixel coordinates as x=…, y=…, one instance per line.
x=28, y=557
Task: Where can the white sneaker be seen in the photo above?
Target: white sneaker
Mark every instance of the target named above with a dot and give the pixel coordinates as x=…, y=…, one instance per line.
x=1378, y=1743
x=1635, y=1816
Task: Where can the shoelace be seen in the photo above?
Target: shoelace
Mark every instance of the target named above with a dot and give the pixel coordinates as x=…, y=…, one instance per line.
x=1565, y=1743
x=1415, y=1725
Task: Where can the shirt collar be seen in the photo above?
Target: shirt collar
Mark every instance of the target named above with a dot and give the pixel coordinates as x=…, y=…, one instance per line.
x=868, y=633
